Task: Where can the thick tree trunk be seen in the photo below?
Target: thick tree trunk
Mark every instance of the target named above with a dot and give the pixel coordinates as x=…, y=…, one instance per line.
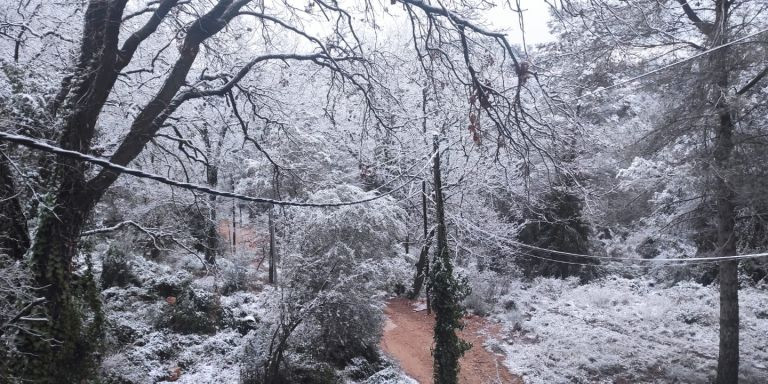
x=74, y=198
x=728, y=359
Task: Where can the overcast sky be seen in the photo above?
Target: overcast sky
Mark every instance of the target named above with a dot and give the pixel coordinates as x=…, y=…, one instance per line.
x=535, y=17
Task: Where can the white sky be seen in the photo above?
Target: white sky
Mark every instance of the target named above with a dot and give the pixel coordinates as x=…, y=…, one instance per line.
x=499, y=18
x=535, y=17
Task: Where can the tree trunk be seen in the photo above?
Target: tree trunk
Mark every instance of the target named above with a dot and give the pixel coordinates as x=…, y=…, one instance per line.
x=728, y=359
x=422, y=267
x=273, y=255
x=424, y=101
x=234, y=223
x=272, y=248
x=447, y=292
x=211, y=233
x=407, y=242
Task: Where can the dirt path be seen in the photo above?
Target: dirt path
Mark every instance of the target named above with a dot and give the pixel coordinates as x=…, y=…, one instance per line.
x=408, y=338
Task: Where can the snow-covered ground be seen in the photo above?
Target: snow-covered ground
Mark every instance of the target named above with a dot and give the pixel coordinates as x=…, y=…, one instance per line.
x=617, y=330
x=160, y=328
x=612, y=330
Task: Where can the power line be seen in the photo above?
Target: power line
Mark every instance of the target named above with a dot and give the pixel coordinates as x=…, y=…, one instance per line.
x=692, y=260
x=676, y=63
x=527, y=253
x=39, y=145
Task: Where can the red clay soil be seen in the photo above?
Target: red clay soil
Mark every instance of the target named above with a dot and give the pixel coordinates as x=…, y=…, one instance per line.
x=408, y=338
x=247, y=237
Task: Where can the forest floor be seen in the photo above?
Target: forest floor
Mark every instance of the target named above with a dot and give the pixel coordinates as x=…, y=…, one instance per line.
x=407, y=338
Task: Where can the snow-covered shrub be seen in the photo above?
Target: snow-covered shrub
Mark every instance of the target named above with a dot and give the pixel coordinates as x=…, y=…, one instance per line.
x=338, y=264
x=349, y=327
x=754, y=272
x=194, y=311
x=147, y=342
x=296, y=367
x=389, y=375
x=234, y=274
x=486, y=289
x=340, y=267
x=116, y=269
x=559, y=225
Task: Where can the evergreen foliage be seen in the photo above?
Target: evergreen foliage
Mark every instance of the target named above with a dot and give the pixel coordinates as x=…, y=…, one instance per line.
x=560, y=226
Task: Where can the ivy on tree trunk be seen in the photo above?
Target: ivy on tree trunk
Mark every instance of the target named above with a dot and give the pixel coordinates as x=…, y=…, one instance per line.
x=446, y=294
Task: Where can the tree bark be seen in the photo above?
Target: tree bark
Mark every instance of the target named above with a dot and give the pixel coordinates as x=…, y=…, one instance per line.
x=728, y=359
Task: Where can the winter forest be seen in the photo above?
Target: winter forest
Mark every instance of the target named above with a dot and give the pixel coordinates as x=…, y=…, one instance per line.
x=383, y=191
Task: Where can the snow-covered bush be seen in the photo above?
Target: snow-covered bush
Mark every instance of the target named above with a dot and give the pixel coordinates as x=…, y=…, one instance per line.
x=339, y=266
x=116, y=269
x=273, y=354
x=389, y=375
x=234, y=274
x=486, y=289
x=194, y=311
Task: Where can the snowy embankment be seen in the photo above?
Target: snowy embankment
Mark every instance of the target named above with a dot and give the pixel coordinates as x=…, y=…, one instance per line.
x=617, y=330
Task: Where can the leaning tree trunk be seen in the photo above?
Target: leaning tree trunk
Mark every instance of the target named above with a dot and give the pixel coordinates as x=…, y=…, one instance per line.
x=728, y=359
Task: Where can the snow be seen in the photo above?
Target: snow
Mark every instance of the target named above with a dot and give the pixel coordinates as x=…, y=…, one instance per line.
x=419, y=306
x=618, y=329
x=390, y=375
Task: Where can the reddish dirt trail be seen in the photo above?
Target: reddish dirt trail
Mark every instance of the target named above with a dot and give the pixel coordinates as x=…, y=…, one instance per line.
x=247, y=237
x=408, y=338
